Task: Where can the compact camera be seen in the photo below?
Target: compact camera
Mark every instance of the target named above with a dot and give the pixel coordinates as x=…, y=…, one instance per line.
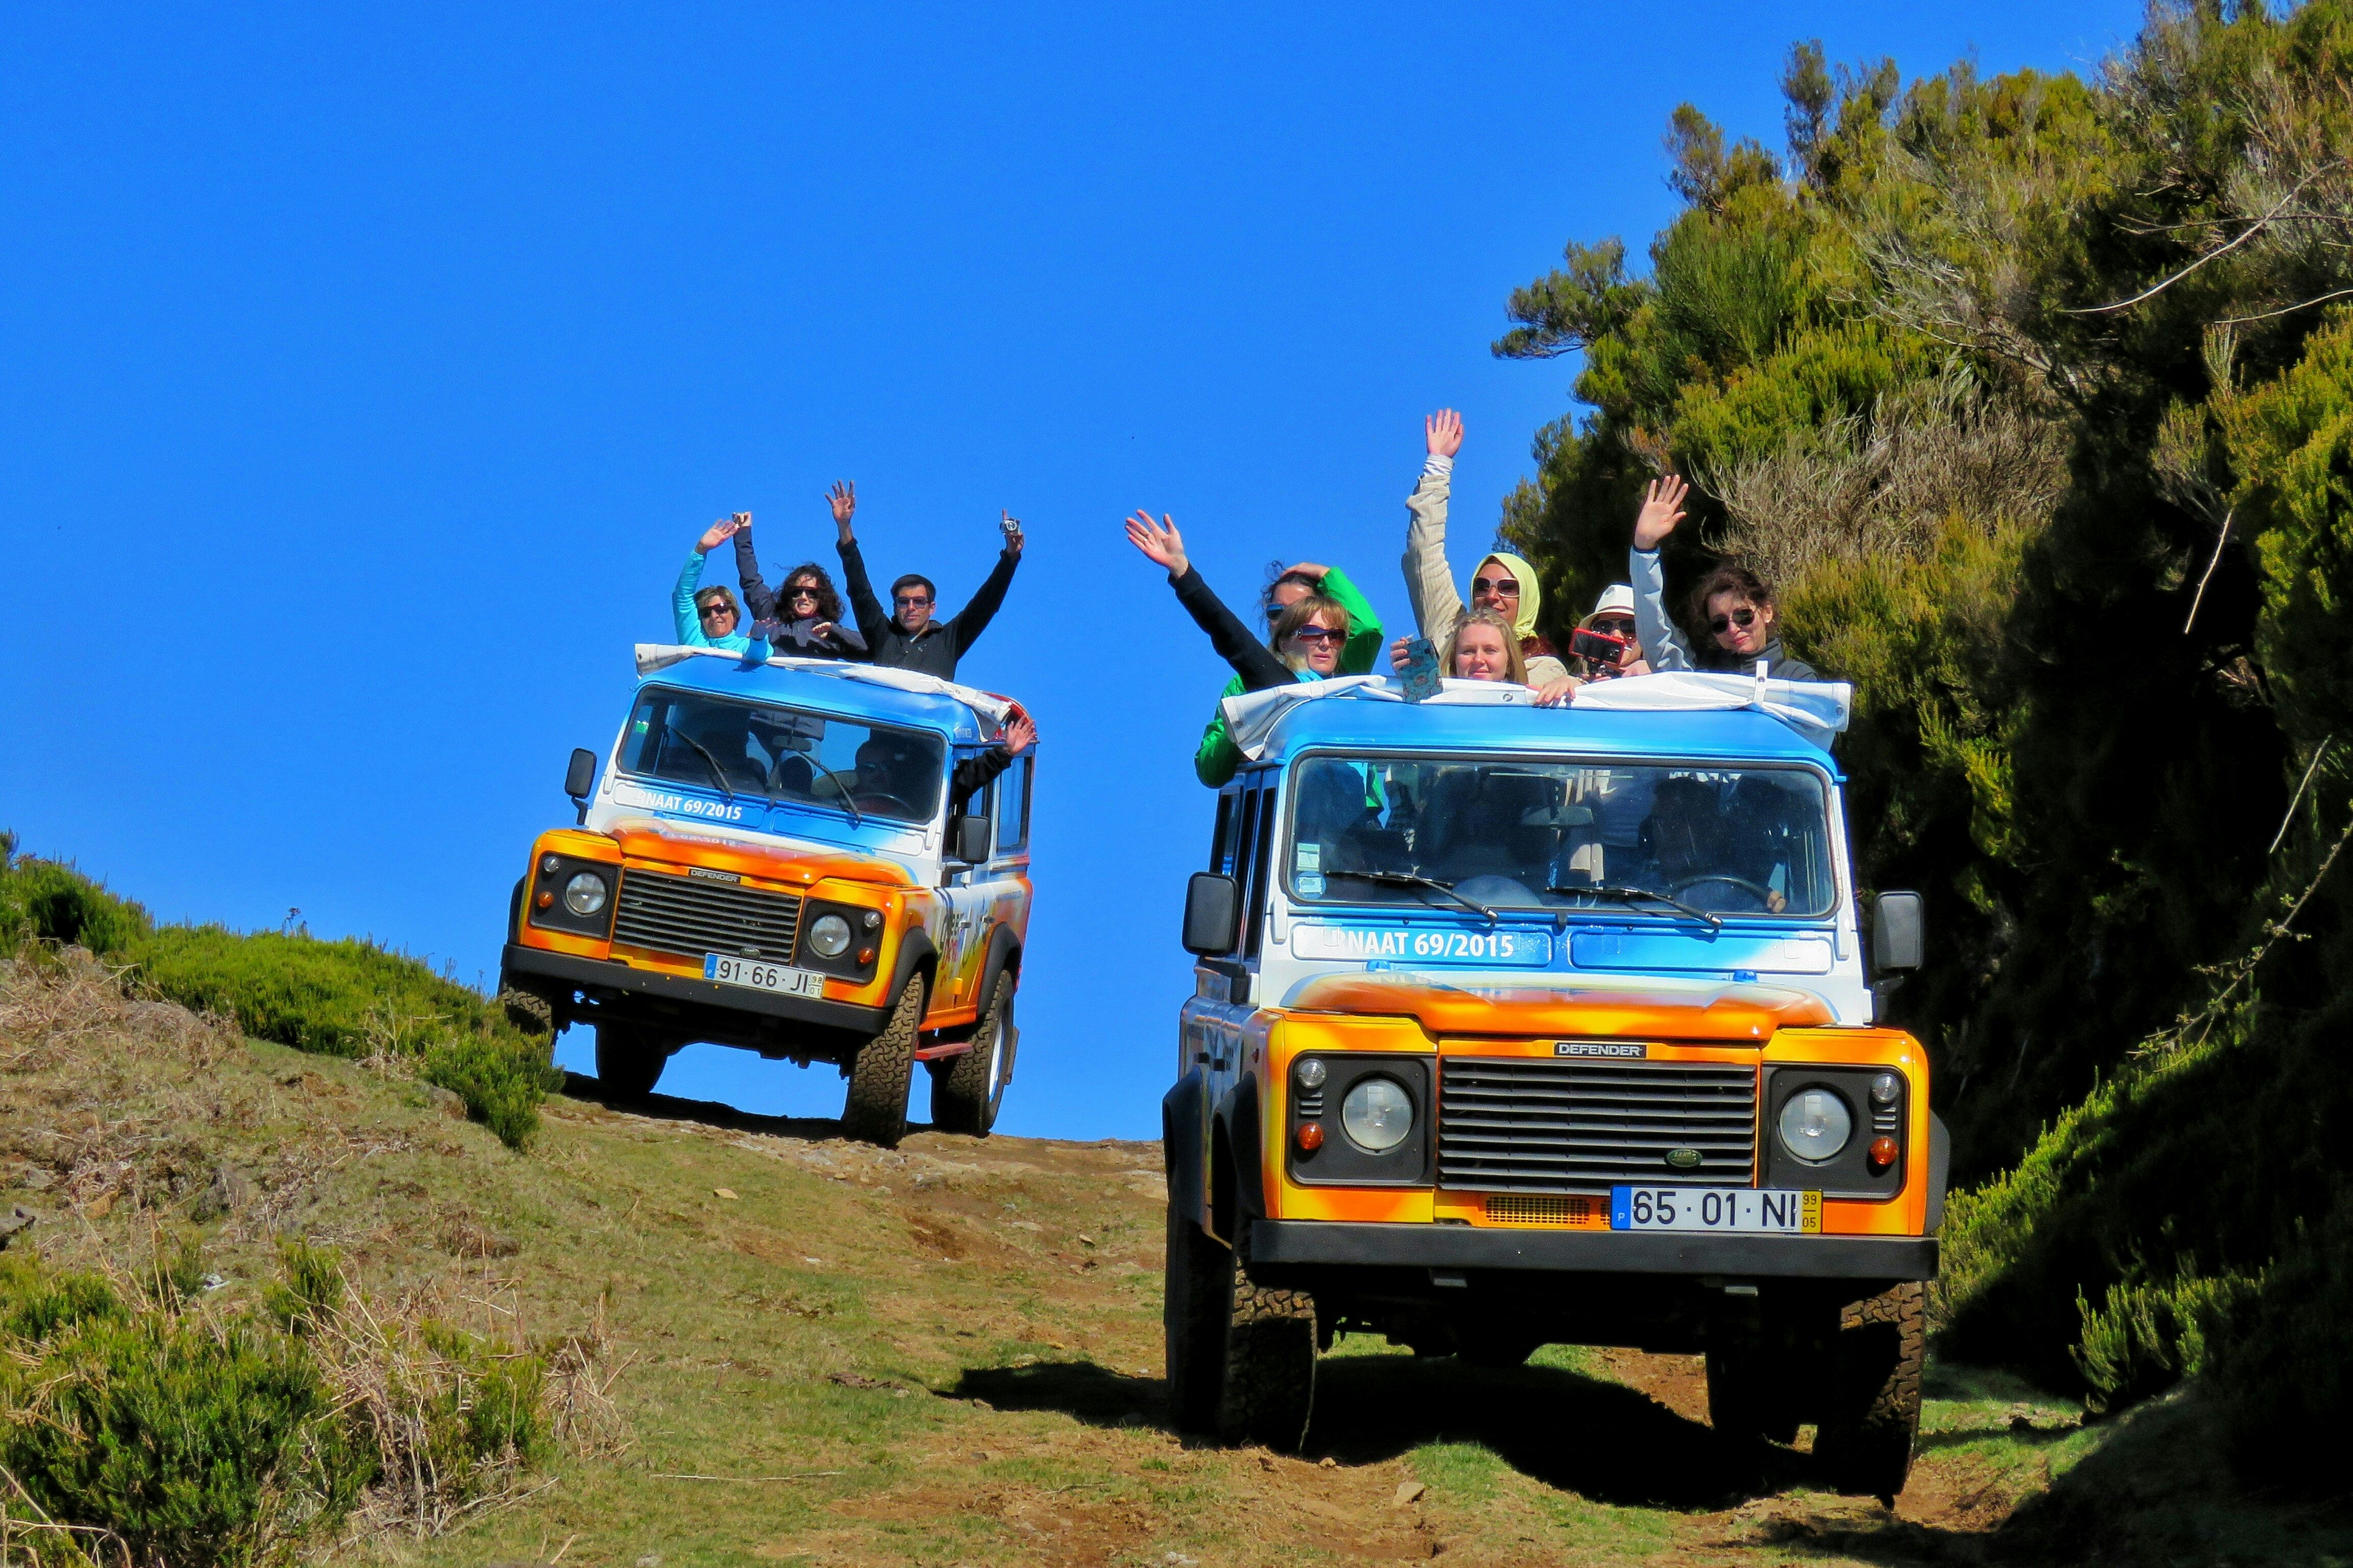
x=1599, y=646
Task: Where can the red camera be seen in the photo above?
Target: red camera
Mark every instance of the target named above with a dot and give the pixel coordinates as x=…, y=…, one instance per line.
x=1599, y=646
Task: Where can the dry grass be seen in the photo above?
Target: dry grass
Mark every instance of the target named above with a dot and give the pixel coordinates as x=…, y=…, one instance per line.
x=1885, y=487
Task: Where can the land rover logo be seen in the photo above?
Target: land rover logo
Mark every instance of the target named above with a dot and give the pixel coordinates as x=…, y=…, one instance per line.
x=712, y=876
x=1621, y=1050
x=1684, y=1159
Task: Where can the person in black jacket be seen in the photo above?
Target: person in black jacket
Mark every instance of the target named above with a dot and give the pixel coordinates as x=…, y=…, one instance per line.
x=803, y=617
x=1307, y=637
x=910, y=637
x=971, y=775
x=1731, y=602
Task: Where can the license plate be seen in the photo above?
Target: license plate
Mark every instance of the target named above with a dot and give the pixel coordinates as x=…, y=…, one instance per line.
x=752, y=974
x=1728, y=1210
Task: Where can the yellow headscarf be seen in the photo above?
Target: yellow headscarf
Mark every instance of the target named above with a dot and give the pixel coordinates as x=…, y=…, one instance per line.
x=1531, y=594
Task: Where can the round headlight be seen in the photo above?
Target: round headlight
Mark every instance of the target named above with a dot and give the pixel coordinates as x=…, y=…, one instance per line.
x=829, y=938
x=1815, y=1125
x=585, y=894
x=1309, y=1073
x=1377, y=1114
x=1884, y=1088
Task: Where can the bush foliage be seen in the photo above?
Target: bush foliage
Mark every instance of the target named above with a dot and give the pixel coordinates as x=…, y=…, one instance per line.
x=209, y=1439
x=2035, y=394
x=345, y=998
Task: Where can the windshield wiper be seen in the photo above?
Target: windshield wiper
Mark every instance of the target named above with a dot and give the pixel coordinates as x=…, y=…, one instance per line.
x=857, y=818
x=1628, y=895
x=718, y=774
x=1410, y=879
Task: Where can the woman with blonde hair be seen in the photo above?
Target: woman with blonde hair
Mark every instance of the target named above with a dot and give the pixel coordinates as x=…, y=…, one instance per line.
x=1485, y=646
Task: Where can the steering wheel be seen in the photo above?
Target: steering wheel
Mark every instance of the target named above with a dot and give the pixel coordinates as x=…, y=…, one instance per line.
x=875, y=800
x=1764, y=895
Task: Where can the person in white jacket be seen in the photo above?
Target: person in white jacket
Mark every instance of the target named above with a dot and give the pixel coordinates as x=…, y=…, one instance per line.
x=1501, y=582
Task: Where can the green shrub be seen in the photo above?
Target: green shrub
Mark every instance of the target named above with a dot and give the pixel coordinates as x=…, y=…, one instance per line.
x=49, y=901
x=310, y=1295
x=502, y=1077
x=345, y=998
x=351, y=998
x=197, y=1442
x=2145, y=1337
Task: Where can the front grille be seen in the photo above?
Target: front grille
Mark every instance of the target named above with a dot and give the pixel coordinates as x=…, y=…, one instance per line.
x=688, y=917
x=1527, y=1124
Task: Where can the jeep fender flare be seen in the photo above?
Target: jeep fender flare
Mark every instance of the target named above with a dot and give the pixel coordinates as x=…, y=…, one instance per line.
x=1004, y=952
x=916, y=952
x=1184, y=1145
x=1940, y=1166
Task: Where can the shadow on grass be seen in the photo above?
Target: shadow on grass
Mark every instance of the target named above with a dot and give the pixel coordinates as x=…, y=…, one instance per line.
x=1601, y=1439
x=709, y=1112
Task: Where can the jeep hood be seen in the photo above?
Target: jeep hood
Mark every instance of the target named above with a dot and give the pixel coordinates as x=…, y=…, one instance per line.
x=1736, y=1014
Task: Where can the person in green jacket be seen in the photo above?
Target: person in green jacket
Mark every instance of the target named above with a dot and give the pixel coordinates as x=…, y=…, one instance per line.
x=1217, y=757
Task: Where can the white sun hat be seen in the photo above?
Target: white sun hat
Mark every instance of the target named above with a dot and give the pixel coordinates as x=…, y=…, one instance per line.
x=1617, y=598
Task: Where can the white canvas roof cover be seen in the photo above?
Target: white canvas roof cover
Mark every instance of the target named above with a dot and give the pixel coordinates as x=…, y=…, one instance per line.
x=1816, y=710
x=652, y=656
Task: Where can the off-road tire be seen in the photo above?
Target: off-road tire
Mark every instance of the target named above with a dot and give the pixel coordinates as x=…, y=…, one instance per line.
x=964, y=1097
x=1269, y=1384
x=1864, y=1442
x=629, y=1062
x=1197, y=1291
x=875, y=1111
x=528, y=1010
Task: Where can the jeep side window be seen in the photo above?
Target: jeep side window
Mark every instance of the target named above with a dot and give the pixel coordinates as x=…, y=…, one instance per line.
x=1260, y=858
x=1013, y=808
x=1221, y=846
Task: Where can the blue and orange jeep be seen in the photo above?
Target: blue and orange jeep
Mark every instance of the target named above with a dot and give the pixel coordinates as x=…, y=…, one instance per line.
x=773, y=859
x=1516, y=1025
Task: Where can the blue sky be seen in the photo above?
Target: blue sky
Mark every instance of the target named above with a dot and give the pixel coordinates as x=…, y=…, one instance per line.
x=365, y=372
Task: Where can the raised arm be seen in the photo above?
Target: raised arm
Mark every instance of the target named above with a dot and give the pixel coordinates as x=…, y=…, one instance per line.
x=1162, y=545
x=873, y=620
x=758, y=599
x=1429, y=580
x=981, y=609
x=1663, y=645
x=689, y=578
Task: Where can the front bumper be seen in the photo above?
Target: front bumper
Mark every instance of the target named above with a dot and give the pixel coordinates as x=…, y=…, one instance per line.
x=605, y=975
x=1459, y=1246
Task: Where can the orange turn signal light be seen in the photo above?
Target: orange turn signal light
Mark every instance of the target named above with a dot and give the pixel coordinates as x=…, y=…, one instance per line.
x=547, y=900
x=1311, y=1136
x=1883, y=1153
x=865, y=955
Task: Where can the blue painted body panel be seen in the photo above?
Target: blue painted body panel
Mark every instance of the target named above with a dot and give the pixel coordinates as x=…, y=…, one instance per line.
x=1728, y=735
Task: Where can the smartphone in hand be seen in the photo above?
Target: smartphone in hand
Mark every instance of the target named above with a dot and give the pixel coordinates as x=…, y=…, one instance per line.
x=1421, y=676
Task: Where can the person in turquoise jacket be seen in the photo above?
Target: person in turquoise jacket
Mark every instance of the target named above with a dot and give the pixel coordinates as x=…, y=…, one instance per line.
x=1217, y=757
x=707, y=617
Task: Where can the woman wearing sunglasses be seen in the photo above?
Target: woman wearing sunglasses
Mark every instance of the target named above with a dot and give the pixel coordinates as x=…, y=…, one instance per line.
x=1306, y=641
x=707, y=617
x=803, y=618
x=1731, y=602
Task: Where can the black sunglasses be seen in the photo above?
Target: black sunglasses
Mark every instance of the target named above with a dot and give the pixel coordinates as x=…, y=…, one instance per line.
x=717, y=609
x=1743, y=617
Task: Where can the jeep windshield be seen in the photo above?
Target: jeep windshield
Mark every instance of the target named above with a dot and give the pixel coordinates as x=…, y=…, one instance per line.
x=1629, y=838
x=756, y=754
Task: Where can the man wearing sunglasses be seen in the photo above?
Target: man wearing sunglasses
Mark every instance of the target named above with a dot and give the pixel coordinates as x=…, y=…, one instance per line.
x=1613, y=616
x=909, y=636
x=707, y=617
x=1732, y=603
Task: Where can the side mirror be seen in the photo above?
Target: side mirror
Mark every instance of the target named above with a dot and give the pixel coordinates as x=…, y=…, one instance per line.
x=580, y=778
x=1213, y=913
x=968, y=839
x=1898, y=935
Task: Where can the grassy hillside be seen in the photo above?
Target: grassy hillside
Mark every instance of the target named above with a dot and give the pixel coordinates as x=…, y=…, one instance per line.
x=822, y=1352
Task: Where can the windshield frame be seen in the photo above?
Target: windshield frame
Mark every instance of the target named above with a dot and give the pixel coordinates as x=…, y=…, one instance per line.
x=1610, y=912
x=760, y=799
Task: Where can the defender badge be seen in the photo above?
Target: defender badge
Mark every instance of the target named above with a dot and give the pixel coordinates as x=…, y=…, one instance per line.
x=704, y=874
x=1619, y=1050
